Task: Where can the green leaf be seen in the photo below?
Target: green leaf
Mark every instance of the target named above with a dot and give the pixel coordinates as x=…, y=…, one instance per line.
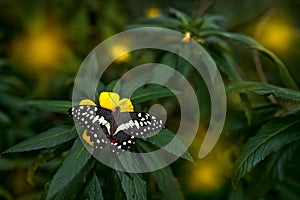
x=223, y=57
x=213, y=22
x=73, y=190
x=283, y=72
x=94, y=191
x=51, y=106
x=146, y=94
x=185, y=19
x=270, y=138
x=236, y=123
x=164, y=177
x=133, y=185
x=4, y=118
x=71, y=166
x=275, y=165
x=263, y=89
x=47, y=139
x=164, y=137
x=168, y=183
x=111, y=85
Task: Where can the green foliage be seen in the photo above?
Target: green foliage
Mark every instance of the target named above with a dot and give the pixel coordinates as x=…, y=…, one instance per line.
x=272, y=136
x=266, y=150
x=284, y=74
x=133, y=185
x=275, y=165
x=165, y=137
x=50, y=138
x=71, y=173
x=94, y=189
x=264, y=89
x=51, y=106
x=264, y=133
x=167, y=182
x=74, y=162
x=147, y=94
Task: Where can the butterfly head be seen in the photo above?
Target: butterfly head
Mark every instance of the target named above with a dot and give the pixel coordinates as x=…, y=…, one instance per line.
x=118, y=109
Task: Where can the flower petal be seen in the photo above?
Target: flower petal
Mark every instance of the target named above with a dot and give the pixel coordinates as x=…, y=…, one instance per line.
x=109, y=100
x=87, y=102
x=125, y=105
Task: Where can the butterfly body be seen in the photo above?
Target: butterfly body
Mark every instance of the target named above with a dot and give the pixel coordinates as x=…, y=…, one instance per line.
x=119, y=129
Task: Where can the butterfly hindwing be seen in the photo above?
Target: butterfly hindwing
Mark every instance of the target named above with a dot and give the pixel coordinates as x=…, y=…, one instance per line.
x=139, y=124
x=121, y=142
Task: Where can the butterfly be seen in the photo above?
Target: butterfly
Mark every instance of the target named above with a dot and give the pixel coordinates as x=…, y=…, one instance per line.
x=118, y=129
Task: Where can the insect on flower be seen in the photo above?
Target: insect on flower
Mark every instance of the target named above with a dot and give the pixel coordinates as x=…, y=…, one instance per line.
x=114, y=122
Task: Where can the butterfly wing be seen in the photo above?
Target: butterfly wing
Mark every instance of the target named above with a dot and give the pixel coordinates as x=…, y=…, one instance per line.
x=121, y=142
x=95, y=120
x=139, y=124
x=127, y=126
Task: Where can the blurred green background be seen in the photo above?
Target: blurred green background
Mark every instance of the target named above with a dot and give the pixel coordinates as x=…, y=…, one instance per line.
x=44, y=42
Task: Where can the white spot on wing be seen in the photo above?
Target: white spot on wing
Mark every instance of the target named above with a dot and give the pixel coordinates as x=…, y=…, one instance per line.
x=137, y=124
x=95, y=118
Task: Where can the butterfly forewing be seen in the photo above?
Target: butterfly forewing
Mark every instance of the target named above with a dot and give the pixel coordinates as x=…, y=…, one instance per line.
x=89, y=118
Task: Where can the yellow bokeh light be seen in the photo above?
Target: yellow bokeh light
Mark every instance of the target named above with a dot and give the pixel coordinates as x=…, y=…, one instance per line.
x=40, y=50
x=153, y=12
x=120, y=53
x=276, y=35
x=207, y=177
x=211, y=172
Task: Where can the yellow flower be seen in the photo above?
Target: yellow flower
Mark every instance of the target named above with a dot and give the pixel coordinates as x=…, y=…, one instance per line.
x=111, y=101
x=87, y=102
x=186, y=37
x=108, y=100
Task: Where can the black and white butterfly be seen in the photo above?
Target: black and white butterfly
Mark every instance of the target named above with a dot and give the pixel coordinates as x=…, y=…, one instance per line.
x=118, y=129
